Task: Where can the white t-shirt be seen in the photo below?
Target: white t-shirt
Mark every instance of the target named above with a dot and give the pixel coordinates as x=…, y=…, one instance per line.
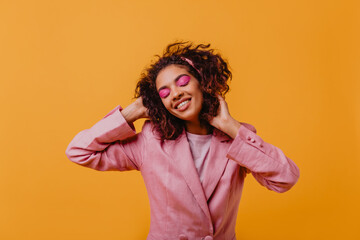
x=200, y=146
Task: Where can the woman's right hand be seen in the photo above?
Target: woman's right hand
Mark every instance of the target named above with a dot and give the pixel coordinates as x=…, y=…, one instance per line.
x=143, y=111
x=135, y=110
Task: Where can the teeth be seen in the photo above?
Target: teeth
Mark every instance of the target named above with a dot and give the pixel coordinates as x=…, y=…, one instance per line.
x=182, y=104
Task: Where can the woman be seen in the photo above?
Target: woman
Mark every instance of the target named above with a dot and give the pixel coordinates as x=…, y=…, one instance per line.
x=192, y=154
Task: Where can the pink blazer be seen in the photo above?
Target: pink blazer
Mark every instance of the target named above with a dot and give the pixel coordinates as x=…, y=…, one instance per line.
x=181, y=206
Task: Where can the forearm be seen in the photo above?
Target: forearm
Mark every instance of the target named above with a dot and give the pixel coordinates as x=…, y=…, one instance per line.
x=111, y=128
x=99, y=148
x=269, y=165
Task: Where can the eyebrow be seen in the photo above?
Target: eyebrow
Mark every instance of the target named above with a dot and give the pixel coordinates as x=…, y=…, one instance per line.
x=176, y=79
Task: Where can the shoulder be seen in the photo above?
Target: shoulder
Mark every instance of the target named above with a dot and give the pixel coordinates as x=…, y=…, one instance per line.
x=149, y=131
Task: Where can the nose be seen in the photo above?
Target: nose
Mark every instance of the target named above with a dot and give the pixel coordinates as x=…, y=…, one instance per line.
x=177, y=93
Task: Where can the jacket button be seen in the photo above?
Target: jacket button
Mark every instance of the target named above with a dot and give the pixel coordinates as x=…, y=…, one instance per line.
x=183, y=237
x=208, y=238
x=252, y=140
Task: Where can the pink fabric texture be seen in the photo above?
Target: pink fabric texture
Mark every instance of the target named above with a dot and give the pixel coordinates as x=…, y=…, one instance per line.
x=182, y=207
x=199, y=147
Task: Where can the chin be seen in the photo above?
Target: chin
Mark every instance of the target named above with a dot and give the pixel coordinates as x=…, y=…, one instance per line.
x=188, y=117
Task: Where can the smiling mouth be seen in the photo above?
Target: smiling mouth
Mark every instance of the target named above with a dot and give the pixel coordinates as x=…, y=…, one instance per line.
x=182, y=104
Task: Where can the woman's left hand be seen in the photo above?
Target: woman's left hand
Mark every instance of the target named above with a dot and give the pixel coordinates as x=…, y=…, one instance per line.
x=222, y=116
x=223, y=120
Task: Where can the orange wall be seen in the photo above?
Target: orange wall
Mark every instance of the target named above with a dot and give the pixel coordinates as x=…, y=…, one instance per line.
x=65, y=64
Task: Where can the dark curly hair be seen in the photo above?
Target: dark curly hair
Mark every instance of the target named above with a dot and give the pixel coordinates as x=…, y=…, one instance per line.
x=213, y=76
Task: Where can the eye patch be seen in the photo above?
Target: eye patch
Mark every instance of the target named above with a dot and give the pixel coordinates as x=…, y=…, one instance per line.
x=183, y=80
x=163, y=93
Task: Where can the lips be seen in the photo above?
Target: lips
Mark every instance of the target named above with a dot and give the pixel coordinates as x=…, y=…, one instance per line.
x=181, y=103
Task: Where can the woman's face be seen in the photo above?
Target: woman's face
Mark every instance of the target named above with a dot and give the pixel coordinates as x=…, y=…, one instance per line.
x=180, y=92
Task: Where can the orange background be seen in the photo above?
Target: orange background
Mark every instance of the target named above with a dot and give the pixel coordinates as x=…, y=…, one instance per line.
x=65, y=64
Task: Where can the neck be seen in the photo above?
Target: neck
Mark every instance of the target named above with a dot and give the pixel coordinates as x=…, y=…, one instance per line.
x=196, y=128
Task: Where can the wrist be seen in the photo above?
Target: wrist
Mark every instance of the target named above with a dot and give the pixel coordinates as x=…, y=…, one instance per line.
x=230, y=126
x=130, y=113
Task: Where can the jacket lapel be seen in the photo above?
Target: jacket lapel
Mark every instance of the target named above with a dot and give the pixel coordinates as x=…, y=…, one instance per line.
x=181, y=157
x=216, y=162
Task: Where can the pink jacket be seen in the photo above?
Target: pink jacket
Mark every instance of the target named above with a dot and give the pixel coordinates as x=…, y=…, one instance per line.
x=181, y=207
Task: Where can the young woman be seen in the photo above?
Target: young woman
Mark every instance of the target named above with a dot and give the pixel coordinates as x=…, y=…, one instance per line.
x=192, y=154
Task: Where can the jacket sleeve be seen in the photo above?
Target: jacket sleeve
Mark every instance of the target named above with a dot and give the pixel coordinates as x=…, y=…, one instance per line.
x=267, y=163
x=111, y=144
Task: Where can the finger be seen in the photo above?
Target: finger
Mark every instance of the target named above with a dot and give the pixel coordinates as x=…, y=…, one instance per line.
x=221, y=99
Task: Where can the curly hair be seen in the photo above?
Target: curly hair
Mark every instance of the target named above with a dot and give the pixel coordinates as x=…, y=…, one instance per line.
x=209, y=68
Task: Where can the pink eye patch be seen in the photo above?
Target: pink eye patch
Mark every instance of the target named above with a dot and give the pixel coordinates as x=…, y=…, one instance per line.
x=163, y=93
x=183, y=80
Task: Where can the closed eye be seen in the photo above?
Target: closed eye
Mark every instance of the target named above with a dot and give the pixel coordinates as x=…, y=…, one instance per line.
x=183, y=80
x=164, y=92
